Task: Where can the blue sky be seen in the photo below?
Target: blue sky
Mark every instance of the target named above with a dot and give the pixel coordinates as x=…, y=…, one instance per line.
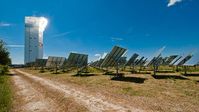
x=95, y=26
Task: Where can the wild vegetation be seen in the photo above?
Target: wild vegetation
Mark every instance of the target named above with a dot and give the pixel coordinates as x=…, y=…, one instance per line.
x=5, y=93
x=5, y=90
x=4, y=54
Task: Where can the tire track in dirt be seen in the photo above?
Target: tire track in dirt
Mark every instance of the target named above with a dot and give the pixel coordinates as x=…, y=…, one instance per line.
x=33, y=101
x=92, y=103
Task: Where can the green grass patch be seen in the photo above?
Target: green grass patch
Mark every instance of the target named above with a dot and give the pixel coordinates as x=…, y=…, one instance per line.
x=5, y=94
x=94, y=70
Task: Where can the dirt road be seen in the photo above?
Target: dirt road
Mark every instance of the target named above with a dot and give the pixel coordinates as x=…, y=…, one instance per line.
x=39, y=94
x=32, y=99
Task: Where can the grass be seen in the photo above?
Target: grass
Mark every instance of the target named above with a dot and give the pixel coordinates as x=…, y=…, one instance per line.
x=5, y=93
x=152, y=91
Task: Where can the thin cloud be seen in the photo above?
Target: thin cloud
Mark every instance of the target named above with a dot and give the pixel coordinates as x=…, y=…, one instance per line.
x=116, y=39
x=61, y=34
x=3, y=24
x=73, y=51
x=173, y=2
x=98, y=55
x=15, y=46
x=104, y=55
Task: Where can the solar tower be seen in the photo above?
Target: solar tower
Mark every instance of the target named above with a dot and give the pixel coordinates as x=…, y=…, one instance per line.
x=34, y=28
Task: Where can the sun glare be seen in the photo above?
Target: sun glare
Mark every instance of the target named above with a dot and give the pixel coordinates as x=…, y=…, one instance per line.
x=43, y=23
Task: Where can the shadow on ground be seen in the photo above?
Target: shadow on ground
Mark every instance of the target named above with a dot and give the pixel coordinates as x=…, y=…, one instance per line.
x=84, y=75
x=169, y=77
x=113, y=74
x=56, y=73
x=196, y=75
x=140, y=72
x=129, y=79
x=10, y=74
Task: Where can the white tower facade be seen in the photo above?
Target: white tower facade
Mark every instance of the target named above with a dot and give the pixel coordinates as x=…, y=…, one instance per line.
x=34, y=28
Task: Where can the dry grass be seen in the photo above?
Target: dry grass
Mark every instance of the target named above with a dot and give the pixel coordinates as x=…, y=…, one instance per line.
x=139, y=90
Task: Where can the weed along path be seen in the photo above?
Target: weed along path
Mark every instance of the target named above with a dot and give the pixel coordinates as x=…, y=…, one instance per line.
x=47, y=95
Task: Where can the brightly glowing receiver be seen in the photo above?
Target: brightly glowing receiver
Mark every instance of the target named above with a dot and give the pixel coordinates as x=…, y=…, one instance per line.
x=42, y=23
x=34, y=28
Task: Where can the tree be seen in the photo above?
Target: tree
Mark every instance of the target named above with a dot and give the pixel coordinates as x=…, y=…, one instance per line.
x=4, y=54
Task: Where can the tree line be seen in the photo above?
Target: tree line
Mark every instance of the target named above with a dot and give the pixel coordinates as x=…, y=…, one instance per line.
x=4, y=58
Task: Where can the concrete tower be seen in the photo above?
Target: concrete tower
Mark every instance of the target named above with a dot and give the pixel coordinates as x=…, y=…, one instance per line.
x=34, y=28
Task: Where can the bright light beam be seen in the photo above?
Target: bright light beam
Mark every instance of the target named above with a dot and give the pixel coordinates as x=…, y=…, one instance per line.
x=42, y=23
